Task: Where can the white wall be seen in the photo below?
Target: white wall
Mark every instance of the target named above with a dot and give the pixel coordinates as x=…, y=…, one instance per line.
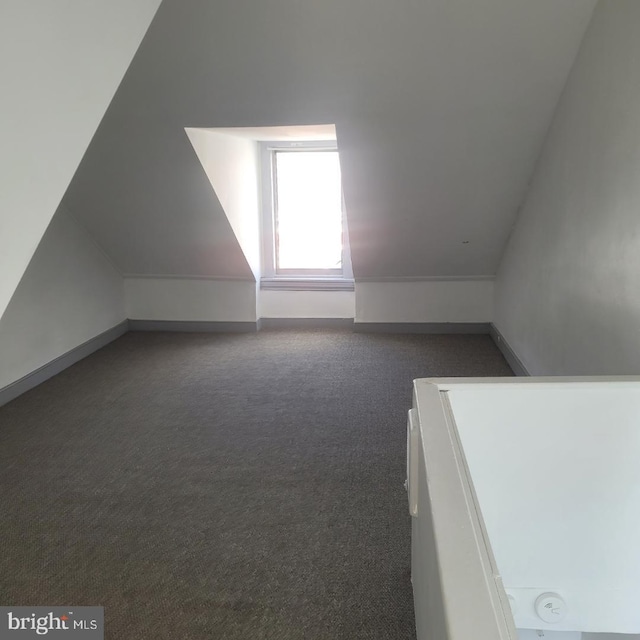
x=69, y=294
x=203, y=299
x=60, y=64
x=190, y=299
x=215, y=300
x=568, y=288
x=446, y=300
x=306, y=304
x=232, y=165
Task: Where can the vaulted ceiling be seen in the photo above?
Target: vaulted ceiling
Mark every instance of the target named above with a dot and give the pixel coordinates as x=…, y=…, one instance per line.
x=441, y=108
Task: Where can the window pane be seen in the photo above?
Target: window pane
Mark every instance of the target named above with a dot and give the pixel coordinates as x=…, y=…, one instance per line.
x=308, y=210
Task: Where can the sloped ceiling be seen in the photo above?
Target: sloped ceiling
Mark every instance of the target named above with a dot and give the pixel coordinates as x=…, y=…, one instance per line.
x=441, y=107
x=60, y=64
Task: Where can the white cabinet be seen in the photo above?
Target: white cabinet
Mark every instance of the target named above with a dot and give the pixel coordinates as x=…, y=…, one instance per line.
x=525, y=494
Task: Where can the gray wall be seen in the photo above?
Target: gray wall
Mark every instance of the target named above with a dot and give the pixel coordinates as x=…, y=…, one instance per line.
x=441, y=108
x=69, y=294
x=568, y=288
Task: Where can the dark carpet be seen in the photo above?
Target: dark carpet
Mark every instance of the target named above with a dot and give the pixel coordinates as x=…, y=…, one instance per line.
x=223, y=486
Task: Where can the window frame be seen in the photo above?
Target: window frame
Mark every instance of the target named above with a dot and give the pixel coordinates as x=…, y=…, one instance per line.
x=272, y=276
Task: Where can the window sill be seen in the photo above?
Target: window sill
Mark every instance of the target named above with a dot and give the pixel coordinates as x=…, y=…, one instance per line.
x=306, y=284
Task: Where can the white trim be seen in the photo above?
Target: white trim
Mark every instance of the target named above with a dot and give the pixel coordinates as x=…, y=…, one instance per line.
x=356, y=279
x=458, y=592
x=552, y=382
x=312, y=283
x=425, y=279
x=267, y=210
x=170, y=276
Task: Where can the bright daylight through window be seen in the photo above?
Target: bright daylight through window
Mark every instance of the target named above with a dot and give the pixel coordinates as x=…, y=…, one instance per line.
x=308, y=208
x=304, y=234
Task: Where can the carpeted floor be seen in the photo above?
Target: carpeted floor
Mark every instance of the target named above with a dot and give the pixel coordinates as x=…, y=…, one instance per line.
x=204, y=486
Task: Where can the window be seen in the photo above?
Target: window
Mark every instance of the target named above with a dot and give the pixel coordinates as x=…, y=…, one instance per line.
x=303, y=217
